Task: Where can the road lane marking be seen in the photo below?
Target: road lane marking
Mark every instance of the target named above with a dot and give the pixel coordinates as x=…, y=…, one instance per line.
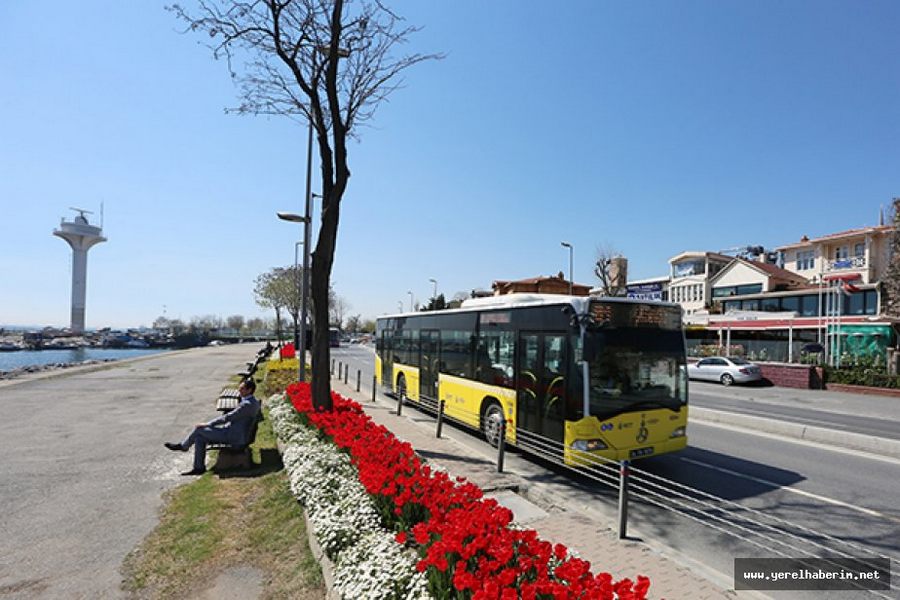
x=825, y=499
x=798, y=420
x=698, y=422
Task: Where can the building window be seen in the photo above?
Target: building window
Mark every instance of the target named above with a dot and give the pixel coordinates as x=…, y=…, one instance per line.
x=685, y=269
x=871, y=297
x=809, y=306
x=805, y=259
x=791, y=303
x=737, y=290
x=859, y=250
x=770, y=304
x=842, y=253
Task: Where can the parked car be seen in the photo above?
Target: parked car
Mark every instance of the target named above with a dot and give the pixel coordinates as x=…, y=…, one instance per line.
x=725, y=369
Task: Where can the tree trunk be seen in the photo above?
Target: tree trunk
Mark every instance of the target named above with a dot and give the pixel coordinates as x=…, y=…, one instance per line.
x=322, y=261
x=278, y=324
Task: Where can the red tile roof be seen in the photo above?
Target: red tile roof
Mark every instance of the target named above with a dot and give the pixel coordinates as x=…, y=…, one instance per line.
x=840, y=234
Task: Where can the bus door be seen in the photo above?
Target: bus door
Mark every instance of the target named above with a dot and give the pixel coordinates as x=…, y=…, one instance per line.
x=540, y=385
x=387, y=357
x=428, y=367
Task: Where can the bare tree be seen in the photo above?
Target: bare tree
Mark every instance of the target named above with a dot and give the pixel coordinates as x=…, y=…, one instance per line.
x=606, y=268
x=255, y=325
x=267, y=291
x=338, y=307
x=353, y=323
x=891, y=281
x=325, y=62
x=235, y=322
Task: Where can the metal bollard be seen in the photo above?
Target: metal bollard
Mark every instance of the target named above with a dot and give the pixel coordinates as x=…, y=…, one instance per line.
x=374, y=386
x=346, y=372
x=501, y=445
x=358, y=378
x=440, y=419
x=399, y=404
x=332, y=367
x=623, y=499
x=340, y=369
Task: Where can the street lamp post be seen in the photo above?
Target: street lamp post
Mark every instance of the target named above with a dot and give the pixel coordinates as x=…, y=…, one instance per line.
x=410, y=301
x=300, y=336
x=304, y=288
x=434, y=295
x=298, y=287
x=569, y=246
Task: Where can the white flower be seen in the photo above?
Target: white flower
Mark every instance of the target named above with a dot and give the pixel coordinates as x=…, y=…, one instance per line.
x=369, y=564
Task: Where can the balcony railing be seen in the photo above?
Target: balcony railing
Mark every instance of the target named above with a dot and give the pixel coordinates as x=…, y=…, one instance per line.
x=854, y=262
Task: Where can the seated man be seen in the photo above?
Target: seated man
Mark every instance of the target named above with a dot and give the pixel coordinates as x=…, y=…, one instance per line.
x=232, y=428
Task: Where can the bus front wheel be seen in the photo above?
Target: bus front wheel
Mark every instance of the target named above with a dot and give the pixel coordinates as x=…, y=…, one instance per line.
x=491, y=423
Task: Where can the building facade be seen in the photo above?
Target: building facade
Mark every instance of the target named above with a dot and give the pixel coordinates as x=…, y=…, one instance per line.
x=825, y=302
x=689, y=277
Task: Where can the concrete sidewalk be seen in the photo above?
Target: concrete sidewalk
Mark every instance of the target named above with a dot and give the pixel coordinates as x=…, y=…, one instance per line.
x=540, y=508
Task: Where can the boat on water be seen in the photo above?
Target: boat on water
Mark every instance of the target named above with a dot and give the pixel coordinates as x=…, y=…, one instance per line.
x=9, y=347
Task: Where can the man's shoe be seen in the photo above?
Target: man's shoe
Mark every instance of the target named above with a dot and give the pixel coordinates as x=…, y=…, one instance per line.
x=195, y=472
x=175, y=447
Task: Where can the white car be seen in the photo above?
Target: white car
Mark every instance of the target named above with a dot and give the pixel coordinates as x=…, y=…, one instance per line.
x=725, y=369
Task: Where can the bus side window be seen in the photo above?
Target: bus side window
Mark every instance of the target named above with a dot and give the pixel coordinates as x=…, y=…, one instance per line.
x=455, y=353
x=494, y=353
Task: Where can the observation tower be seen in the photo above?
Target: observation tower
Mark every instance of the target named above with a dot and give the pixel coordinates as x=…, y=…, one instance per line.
x=81, y=236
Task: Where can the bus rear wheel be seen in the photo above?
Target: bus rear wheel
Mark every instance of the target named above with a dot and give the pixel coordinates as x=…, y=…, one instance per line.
x=491, y=423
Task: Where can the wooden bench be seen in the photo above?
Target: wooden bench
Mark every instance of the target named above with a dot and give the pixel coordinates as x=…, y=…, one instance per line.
x=252, y=366
x=228, y=400
x=237, y=457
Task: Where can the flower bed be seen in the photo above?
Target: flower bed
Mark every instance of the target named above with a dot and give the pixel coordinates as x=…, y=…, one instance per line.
x=368, y=563
x=466, y=545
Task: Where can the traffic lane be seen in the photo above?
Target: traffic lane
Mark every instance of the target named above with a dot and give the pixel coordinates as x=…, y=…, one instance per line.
x=848, y=495
x=874, y=426
x=864, y=480
x=85, y=453
x=359, y=357
x=867, y=405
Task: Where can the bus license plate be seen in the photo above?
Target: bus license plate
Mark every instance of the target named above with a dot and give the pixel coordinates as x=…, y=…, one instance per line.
x=639, y=452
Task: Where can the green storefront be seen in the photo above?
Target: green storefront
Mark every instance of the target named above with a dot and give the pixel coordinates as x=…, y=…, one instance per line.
x=861, y=341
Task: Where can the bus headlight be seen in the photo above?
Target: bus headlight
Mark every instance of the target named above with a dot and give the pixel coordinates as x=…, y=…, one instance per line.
x=678, y=432
x=589, y=445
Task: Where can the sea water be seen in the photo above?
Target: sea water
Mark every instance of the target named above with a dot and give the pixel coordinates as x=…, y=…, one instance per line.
x=26, y=358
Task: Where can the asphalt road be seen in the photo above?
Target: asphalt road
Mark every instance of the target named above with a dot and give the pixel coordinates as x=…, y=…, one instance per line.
x=869, y=415
x=84, y=468
x=801, y=497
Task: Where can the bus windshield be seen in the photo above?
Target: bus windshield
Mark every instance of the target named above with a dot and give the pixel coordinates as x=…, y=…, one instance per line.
x=635, y=368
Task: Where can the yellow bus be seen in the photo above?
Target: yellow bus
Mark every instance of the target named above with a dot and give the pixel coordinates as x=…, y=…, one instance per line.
x=576, y=378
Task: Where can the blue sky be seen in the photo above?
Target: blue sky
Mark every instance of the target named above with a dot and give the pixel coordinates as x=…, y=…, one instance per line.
x=653, y=127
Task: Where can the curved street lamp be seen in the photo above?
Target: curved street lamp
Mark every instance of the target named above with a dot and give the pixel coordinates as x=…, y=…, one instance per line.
x=569, y=246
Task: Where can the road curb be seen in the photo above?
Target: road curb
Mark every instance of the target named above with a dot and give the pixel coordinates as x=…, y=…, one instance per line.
x=810, y=433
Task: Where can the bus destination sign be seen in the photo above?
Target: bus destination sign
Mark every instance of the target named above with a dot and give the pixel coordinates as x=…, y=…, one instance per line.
x=621, y=314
